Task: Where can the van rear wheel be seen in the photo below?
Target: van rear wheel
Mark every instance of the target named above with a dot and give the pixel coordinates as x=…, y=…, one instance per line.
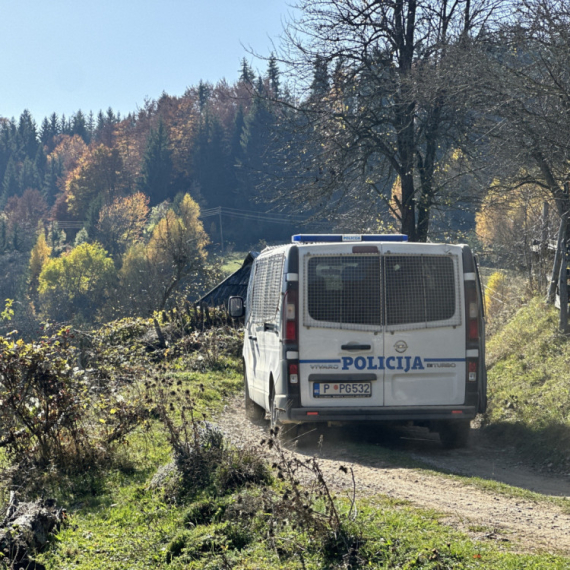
x=454, y=434
x=253, y=412
x=285, y=432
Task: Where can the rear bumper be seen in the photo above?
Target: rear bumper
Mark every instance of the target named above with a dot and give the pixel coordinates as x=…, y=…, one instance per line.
x=385, y=414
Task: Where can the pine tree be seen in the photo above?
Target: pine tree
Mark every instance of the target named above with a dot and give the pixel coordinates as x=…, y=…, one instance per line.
x=49, y=130
x=90, y=125
x=79, y=126
x=211, y=163
x=29, y=176
x=203, y=94
x=246, y=73
x=321, y=82
x=45, y=131
x=156, y=171
x=50, y=187
x=40, y=163
x=65, y=127
x=236, y=149
x=273, y=75
x=28, y=134
x=10, y=185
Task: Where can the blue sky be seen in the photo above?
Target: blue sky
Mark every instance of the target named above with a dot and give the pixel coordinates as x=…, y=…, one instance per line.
x=64, y=55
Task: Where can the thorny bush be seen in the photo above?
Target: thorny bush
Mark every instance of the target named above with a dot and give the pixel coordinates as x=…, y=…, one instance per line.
x=307, y=503
x=202, y=457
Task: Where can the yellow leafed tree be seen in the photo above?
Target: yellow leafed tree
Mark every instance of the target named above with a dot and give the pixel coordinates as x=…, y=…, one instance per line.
x=75, y=286
x=175, y=254
x=122, y=222
x=40, y=254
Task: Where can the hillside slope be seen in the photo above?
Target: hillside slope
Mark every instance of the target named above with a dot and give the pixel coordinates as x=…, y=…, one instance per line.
x=528, y=364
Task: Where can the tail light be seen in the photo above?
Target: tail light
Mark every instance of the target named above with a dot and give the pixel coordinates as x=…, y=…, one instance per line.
x=290, y=317
x=472, y=370
x=294, y=373
x=472, y=310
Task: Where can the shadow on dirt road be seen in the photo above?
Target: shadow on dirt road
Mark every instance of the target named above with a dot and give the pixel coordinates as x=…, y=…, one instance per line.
x=387, y=447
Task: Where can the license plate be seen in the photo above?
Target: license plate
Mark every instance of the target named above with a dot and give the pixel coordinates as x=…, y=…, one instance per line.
x=342, y=389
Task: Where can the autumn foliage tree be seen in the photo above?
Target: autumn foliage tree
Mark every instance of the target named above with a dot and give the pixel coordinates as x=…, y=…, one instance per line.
x=98, y=175
x=75, y=285
x=512, y=225
x=122, y=222
x=23, y=214
x=40, y=254
x=175, y=252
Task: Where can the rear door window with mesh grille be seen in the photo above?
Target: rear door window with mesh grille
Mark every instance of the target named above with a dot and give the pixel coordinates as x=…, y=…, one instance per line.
x=345, y=289
x=267, y=289
x=419, y=289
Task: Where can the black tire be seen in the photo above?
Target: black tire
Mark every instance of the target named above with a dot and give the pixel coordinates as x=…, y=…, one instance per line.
x=307, y=436
x=283, y=432
x=454, y=435
x=253, y=411
x=274, y=422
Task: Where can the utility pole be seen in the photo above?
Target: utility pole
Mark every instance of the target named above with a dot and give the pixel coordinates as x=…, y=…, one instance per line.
x=221, y=229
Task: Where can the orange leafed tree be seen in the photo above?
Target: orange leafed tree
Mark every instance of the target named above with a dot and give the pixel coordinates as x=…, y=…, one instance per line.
x=98, y=174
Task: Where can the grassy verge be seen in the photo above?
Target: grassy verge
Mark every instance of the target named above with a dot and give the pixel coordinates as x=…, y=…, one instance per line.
x=131, y=526
x=528, y=375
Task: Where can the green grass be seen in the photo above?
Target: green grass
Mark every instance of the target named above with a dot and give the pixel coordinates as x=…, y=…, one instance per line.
x=119, y=522
x=529, y=385
x=137, y=530
x=231, y=262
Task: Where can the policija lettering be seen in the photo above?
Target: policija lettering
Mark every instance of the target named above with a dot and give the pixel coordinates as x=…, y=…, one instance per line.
x=379, y=363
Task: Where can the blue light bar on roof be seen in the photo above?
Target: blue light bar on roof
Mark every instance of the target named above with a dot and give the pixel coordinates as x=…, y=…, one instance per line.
x=338, y=238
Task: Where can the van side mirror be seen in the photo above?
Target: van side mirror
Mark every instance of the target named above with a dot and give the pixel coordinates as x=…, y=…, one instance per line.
x=236, y=307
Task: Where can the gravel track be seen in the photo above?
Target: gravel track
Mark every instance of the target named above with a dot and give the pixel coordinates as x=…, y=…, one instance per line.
x=530, y=525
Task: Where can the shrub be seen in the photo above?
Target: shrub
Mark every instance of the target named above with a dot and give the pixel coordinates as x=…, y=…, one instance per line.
x=48, y=413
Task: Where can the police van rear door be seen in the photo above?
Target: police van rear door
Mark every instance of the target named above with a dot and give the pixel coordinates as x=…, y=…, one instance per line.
x=424, y=341
x=340, y=328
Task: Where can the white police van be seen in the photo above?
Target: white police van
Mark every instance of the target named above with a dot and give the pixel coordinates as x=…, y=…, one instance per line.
x=365, y=328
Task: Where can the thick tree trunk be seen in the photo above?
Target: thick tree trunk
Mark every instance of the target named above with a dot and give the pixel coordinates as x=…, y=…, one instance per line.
x=556, y=265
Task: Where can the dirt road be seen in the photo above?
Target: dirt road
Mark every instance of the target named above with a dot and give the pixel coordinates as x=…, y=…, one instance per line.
x=377, y=463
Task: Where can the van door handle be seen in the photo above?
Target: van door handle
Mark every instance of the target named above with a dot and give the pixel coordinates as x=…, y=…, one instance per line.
x=355, y=347
x=270, y=327
x=252, y=338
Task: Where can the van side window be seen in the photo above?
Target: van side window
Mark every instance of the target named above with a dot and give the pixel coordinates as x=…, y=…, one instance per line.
x=267, y=283
x=345, y=289
x=419, y=289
